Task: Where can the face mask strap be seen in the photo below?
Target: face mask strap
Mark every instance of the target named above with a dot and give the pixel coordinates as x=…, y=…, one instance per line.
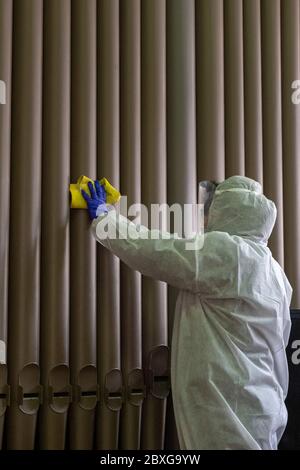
x=236, y=190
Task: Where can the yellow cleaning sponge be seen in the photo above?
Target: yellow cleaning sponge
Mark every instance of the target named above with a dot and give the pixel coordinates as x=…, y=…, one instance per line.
x=78, y=202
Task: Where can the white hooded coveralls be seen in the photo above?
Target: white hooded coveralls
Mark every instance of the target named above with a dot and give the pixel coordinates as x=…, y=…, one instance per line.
x=232, y=323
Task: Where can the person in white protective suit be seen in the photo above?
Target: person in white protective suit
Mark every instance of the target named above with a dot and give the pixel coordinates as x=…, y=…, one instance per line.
x=228, y=367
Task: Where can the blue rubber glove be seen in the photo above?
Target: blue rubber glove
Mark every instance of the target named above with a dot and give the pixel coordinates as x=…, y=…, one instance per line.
x=97, y=202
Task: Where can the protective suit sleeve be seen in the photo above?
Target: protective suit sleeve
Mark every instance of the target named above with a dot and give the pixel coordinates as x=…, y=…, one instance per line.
x=151, y=252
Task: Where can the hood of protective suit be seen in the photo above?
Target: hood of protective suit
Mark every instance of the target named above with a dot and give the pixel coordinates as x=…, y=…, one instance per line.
x=240, y=208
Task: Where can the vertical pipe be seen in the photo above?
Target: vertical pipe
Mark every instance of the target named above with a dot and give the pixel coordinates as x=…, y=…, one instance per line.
x=253, y=90
x=234, y=88
x=5, y=126
x=181, y=128
x=154, y=191
x=290, y=49
x=210, y=90
x=272, y=117
x=24, y=285
x=108, y=278
x=131, y=187
x=55, y=225
x=82, y=244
